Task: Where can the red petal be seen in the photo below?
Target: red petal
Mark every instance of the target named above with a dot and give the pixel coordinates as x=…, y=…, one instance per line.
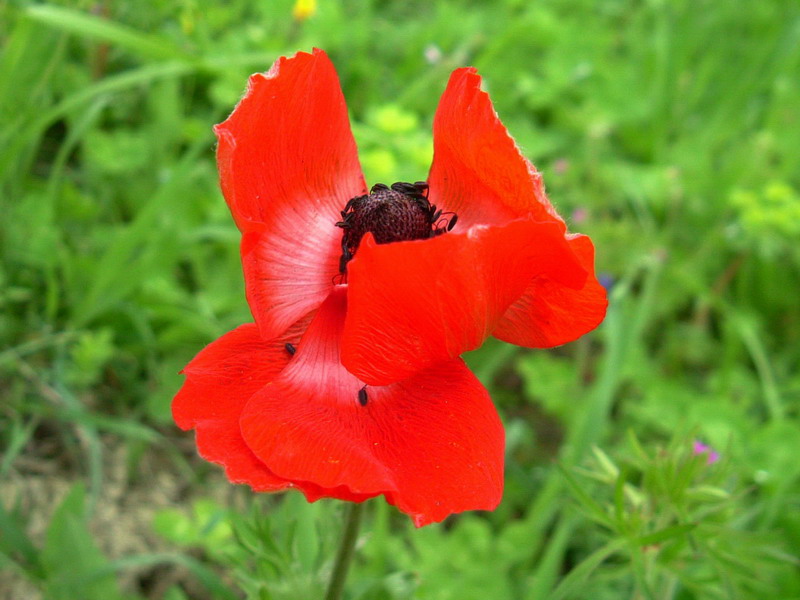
x=432, y=444
x=283, y=283
x=413, y=304
x=288, y=164
x=219, y=381
x=478, y=171
x=549, y=313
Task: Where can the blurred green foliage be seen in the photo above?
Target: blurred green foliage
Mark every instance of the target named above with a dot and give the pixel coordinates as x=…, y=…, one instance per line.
x=666, y=129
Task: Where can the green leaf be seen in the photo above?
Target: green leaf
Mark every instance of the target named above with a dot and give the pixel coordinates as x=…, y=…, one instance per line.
x=580, y=574
x=668, y=533
x=74, y=566
x=593, y=508
x=148, y=46
x=17, y=546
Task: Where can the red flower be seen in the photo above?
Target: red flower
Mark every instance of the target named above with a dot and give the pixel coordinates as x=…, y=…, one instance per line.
x=349, y=384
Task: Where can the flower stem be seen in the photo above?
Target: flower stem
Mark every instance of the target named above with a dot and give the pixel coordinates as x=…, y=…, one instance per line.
x=346, y=551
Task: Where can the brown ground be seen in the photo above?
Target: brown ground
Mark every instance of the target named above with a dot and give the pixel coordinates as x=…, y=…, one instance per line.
x=121, y=523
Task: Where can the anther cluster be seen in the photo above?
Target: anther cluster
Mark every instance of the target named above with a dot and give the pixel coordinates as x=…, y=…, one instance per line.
x=392, y=214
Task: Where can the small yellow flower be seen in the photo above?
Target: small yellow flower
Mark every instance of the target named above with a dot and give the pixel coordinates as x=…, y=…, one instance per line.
x=304, y=9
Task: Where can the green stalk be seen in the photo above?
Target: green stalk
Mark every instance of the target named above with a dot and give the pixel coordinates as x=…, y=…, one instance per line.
x=346, y=551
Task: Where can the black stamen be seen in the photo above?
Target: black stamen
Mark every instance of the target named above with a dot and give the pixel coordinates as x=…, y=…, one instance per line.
x=401, y=212
x=290, y=349
x=362, y=396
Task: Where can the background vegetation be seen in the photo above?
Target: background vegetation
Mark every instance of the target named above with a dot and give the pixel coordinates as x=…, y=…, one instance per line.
x=666, y=129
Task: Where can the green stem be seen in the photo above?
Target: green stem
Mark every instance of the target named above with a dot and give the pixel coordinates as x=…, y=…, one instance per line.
x=346, y=551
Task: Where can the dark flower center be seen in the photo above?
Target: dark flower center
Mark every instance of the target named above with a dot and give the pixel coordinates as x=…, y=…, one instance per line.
x=392, y=214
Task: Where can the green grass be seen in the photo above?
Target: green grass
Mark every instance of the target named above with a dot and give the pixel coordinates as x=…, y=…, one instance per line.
x=667, y=130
